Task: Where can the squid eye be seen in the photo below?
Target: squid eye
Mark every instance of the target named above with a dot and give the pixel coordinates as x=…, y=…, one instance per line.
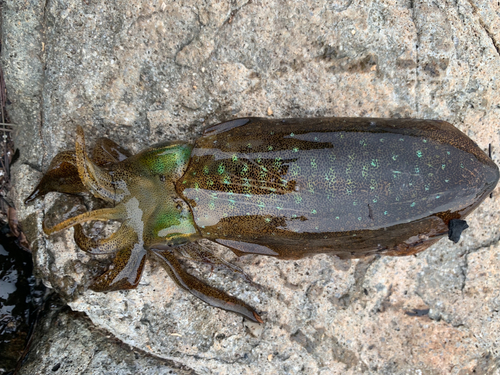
x=162, y=178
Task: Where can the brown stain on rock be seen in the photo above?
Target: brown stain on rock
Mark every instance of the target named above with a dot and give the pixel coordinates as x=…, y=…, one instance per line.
x=434, y=67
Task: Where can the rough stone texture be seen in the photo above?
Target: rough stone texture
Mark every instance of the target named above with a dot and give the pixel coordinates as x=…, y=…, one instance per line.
x=67, y=342
x=144, y=71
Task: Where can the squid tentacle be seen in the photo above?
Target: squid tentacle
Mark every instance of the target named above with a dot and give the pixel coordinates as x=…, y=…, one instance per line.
x=103, y=214
x=122, y=238
x=200, y=254
x=205, y=292
x=96, y=179
x=62, y=176
x=126, y=270
x=107, y=152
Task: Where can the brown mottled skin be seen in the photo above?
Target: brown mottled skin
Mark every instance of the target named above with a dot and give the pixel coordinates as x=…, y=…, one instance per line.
x=284, y=188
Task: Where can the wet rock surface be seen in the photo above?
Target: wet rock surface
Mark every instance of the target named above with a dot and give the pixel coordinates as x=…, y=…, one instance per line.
x=20, y=297
x=142, y=72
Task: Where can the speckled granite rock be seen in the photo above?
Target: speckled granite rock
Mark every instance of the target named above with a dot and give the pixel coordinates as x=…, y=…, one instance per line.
x=141, y=72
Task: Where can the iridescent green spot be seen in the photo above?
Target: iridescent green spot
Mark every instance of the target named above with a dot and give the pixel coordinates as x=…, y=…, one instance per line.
x=206, y=170
x=419, y=153
x=226, y=180
x=221, y=169
x=234, y=157
x=261, y=205
x=294, y=216
x=424, y=140
x=272, y=133
x=270, y=148
x=292, y=135
x=448, y=152
x=375, y=163
x=277, y=163
x=385, y=212
x=298, y=199
x=462, y=165
x=196, y=186
x=382, y=140
x=337, y=218
x=438, y=196
x=314, y=212
x=348, y=191
x=446, y=181
x=359, y=218
x=232, y=201
x=443, y=166
x=413, y=204
x=249, y=145
x=427, y=187
x=354, y=203
x=417, y=170
x=268, y=220
x=279, y=208
x=397, y=199
x=394, y=157
x=184, y=182
x=295, y=169
x=375, y=200
x=314, y=164
x=310, y=187
x=295, y=149
x=401, y=139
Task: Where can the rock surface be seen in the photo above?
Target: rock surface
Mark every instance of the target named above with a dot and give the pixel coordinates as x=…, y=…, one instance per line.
x=143, y=71
x=67, y=342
